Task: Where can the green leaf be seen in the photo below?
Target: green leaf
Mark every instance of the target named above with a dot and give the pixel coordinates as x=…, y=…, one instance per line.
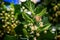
x=4, y=6
x=39, y=8
x=26, y=17
x=25, y=32
x=16, y=15
x=46, y=27
x=45, y=20
x=43, y=12
x=30, y=6
x=12, y=5
x=9, y=37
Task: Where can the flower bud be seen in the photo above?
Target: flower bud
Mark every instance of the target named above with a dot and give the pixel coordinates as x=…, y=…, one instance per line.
x=37, y=18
